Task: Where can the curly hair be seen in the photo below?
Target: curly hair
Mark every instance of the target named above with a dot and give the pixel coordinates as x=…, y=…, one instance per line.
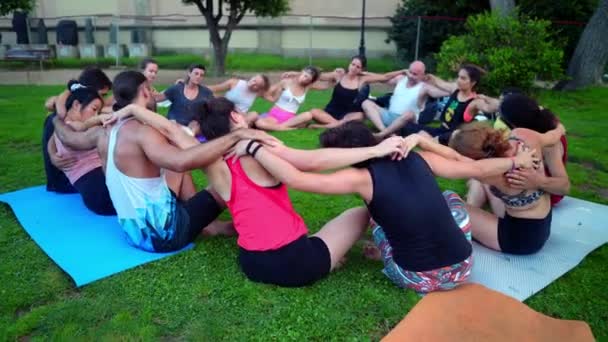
x=478, y=140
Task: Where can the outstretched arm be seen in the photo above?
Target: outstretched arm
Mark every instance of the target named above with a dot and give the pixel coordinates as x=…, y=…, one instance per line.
x=170, y=157
x=429, y=90
x=449, y=87
x=374, y=78
x=486, y=104
x=553, y=136
x=478, y=169
x=341, y=182
x=332, y=76
x=171, y=130
x=60, y=104
x=334, y=158
x=431, y=145
x=224, y=86
x=77, y=140
x=274, y=92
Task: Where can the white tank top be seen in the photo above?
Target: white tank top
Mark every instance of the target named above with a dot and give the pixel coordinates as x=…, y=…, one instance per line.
x=144, y=205
x=405, y=99
x=241, y=96
x=290, y=103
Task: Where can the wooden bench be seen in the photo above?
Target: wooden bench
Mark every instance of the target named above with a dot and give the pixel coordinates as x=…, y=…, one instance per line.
x=28, y=54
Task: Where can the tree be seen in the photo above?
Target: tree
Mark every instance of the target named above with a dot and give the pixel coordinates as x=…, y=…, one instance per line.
x=8, y=6
x=503, y=7
x=559, y=12
x=236, y=9
x=591, y=54
x=433, y=29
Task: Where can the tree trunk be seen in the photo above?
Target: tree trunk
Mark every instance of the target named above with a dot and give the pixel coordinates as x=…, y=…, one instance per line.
x=502, y=7
x=591, y=54
x=220, y=51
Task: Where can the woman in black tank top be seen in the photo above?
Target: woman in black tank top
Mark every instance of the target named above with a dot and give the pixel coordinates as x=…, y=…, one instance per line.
x=421, y=239
x=456, y=111
x=351, y=89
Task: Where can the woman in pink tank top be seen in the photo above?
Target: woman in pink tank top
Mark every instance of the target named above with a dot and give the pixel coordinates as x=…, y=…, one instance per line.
x=274, y=243
x=86, y=174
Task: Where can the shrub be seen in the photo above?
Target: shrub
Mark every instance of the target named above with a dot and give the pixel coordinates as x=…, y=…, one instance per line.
x=515, y=50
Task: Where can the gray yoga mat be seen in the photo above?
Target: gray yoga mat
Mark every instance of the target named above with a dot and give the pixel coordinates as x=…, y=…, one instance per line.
x=578, y=227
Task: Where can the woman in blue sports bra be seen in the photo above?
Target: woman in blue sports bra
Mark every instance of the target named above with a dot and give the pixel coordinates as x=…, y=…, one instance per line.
x=526, y=224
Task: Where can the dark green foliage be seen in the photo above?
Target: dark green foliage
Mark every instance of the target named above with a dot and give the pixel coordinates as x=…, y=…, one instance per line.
x=514, y=50
x=433, y=31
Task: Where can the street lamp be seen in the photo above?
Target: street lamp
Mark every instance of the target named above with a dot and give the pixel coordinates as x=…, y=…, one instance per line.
x=362, y=42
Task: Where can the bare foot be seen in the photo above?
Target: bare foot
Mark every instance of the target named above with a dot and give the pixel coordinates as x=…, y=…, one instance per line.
x=371, y=251
x=222, y=228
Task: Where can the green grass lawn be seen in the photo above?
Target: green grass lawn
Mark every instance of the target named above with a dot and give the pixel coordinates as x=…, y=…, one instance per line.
x=201, y=295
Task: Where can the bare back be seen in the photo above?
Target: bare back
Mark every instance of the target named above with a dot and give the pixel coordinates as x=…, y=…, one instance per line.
x=537, y=209
x=221, y=178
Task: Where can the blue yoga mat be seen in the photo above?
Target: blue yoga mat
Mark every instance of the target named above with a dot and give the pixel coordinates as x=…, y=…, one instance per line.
x=86, y=246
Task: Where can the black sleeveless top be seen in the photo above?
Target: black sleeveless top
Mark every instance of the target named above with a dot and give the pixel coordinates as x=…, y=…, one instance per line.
x=342, y=102
x=416, y=219
x=453, y=112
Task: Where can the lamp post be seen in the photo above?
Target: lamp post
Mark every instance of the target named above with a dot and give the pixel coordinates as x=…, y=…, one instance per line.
x=362, y=42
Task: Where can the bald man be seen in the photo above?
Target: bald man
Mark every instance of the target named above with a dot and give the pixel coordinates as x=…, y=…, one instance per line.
x=405, y=103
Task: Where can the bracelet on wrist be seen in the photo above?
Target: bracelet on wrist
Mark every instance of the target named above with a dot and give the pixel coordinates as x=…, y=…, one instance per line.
x=256, y=149
x=248, y=148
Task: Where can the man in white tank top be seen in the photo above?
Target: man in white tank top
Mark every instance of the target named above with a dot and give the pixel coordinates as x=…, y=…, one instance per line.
x=405, y=103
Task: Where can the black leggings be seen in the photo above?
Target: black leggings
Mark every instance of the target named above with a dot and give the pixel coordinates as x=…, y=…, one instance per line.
x=522, y=235
x=92, y=187
x=299, y=263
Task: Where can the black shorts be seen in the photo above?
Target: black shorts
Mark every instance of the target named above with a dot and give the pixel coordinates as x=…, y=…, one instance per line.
x=56, y=180
x=94, y=192
x=523, y=235
x=441, y=132
x=190, y=217
x=299, y=263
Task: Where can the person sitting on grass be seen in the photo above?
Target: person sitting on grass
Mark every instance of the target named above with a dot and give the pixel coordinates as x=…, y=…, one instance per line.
x=520, y=111
x=350, y=91
x=85, y=173
x=289, y=94
x=56, y=180
x=244, y=92
x=183, y=95
x=274, y=244
x=404, y=104
x=457, y=110
x=526, y=223
x=423, y=246
x=155, y=198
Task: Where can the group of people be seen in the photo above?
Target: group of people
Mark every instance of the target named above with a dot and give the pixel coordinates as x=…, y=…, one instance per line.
x=126, y=160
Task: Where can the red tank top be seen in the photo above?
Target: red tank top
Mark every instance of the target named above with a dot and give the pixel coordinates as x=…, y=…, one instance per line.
x=557, y=198
x=263, y=217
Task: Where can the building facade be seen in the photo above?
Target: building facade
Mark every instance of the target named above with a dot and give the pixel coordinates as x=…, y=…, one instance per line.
x=312, y=27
